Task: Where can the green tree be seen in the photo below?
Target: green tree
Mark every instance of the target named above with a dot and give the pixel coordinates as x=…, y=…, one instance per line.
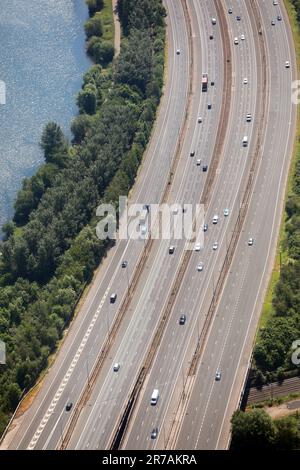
x=13, y=395
x=254, y=430
x=93, y=26
x=54, y=144
x=94, y=6
x=288, y=434
x=87, y=100
x=80, y=127
x=101, y=51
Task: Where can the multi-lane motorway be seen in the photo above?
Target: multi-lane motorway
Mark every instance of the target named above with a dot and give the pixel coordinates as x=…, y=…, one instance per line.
x=194, y=409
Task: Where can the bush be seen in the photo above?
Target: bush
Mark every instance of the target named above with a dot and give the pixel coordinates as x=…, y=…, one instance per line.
x=93, y=26
x=102, y=52
x=94, y=6
x=87, y=100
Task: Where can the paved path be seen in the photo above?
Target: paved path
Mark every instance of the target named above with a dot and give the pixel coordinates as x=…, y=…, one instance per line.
x=117, y=28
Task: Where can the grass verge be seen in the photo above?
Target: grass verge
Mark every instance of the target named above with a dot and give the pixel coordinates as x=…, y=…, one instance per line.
x=108, y=22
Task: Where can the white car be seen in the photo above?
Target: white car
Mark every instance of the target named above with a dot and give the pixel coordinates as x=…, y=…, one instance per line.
x=116, y=367
x=198, y=162
x=215, y=246
x=245, y=81
x=199, y=119
x=178, y=51
x=226, y=212
x=200, y=267
x=275, y=2
x=287, y=64
x=250, y=241
x=242, y=37
x=197, y=247
x=236, y=41
x=213, y=20
x=143, y=229
x=249, y=117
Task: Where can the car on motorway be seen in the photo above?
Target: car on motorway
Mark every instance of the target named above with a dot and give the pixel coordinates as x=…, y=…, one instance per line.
x=212, y=83
x=218, y=376
x=205, y=228
x=245, y=141
x=204, y=168
x=198, y=162
x=273, y=23
x=113, y=298
x=143, y=229
x=154, y=433
x=154, y=397
x=238, y=18
x=226, y=212
x=287, y=64
x=242, y=37
x=199, y=119
x=230, y=11
x=178, y=51
x=200, y=267
x=197, y=247
x=211, y=36
x=275, y=2
x=213, y=21
x=215, y=219
x=250, y=241
x=236, y=41
x=124, y=264
x=182, y=319
x=249, y=117
x=209, y=106
x=245, y=81
x=192, y=153
x=171, y=249
x=69, y=406
x=116, y=367
x=215, y=246
x=279, y=18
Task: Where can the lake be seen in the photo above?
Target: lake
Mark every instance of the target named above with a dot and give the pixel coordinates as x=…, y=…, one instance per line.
x=42, y=61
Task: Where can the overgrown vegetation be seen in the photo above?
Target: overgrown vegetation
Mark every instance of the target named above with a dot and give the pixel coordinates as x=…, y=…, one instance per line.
x=50, y=249
x=256, y=430
x=273, y=351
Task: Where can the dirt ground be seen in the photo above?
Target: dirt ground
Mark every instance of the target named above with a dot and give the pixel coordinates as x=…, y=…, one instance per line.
x=284, y=409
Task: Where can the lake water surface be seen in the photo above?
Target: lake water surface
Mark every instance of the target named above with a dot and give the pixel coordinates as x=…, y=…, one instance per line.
x=42, y=60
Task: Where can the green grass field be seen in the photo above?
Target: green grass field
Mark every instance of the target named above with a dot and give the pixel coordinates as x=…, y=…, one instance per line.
x=108, y=22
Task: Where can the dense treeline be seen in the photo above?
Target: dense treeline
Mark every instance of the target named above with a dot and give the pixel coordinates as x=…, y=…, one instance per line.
x=274, y=349
x=256, y=431
x=50, y=249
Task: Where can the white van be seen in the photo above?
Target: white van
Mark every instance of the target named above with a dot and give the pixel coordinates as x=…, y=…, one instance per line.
x=245, y=141
x=154, y=397
x=215, y=219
